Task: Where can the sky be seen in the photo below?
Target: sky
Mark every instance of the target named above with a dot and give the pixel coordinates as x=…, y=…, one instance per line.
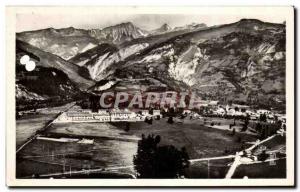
x=28, y=22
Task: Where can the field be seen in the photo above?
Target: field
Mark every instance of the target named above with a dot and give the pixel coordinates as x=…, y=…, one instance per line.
x=28, y=124
x=199, y=140
x=114, y=148
x=103, y=154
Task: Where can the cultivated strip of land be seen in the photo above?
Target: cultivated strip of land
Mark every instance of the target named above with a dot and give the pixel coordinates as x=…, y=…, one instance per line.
x=42, y=129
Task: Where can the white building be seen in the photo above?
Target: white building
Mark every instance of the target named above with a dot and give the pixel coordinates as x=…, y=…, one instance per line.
x=186, y=111
x=156, y=112
x=220, y=111
x=231, y=112
x=263, y=111
x=145, y=112
x=241, y=108
x=213, y=103
x=100, y=116
x=124, y=115
x=74, y=117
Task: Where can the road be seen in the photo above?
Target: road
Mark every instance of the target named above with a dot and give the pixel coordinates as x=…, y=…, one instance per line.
x=237, y=159
x=229, y=174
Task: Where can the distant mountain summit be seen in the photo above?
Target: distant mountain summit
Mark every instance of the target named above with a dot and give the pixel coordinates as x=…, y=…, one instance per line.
x=192, y=26
x=118, y=33
x=65, y=42
x=241, y=62
x=69, y=42
x=163, y=29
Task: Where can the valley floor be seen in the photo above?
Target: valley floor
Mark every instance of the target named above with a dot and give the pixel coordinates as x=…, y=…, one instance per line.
x=113, y=148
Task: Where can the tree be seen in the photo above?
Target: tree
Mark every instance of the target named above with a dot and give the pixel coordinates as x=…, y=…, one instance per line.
x=246, y=123
x=263, y=117
x=201, y=110
x=171, y=112
x=262, y=156
x=233, y=132
x=127, y=128
x=153, y=161
x=151, y=111
x=170, y=120
x=150, y=121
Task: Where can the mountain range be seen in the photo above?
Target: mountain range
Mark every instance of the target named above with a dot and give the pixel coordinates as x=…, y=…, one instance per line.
x=242, y=62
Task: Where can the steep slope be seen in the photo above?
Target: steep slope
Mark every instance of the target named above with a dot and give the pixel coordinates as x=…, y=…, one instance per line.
x=66, y=42
x=118, y=33
x=98, y=59
x=77, y=75
x=104, y=56
x=85, y=57
x=243, y=61
x=43, y=85
x=23, y=94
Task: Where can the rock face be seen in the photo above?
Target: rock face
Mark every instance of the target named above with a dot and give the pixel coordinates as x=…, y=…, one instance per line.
x=105, y=56
x=163, y=29
x=77, y=75
x=242, y=62
x=66, y=42
x=53, y=79
x=69, y=42
x=118, y=33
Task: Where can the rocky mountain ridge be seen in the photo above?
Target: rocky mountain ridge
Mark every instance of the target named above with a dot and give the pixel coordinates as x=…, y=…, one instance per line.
x=242, y=61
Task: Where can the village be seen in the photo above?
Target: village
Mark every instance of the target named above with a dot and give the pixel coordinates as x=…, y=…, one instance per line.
x=203, y=109
x=215, y=132
x=86, y=125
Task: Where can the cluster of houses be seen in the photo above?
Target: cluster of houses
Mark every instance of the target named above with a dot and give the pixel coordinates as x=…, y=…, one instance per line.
x=213, y=108
x=134, y=115
x=244, y=110
x=113, y=115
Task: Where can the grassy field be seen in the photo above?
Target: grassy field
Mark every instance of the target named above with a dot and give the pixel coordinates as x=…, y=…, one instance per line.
x=102, y=154
x=199, y=140
x=28, y=125
x=113, y=146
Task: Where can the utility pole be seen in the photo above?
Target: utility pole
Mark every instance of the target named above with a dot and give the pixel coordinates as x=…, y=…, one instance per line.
x=208, y=169
x=64, y=164
x=70, y=171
